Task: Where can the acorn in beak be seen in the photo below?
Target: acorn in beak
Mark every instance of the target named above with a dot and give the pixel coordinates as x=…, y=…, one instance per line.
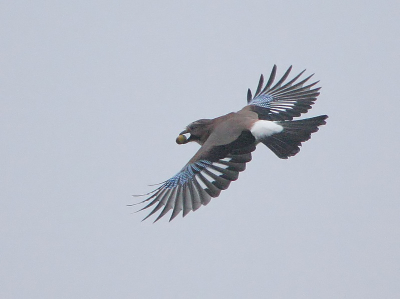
x=182, y=139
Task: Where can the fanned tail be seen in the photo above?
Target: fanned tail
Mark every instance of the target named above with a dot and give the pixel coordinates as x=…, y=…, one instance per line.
x=287, y=143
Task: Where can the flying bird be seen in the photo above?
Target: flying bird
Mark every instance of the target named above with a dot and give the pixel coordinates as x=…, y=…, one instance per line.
x=228, y=141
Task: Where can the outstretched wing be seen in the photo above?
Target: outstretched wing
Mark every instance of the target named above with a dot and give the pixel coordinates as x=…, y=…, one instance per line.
x=283, y=101
x=204, y=177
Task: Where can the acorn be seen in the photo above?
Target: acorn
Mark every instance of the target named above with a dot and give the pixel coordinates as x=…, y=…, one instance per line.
x=181, y=139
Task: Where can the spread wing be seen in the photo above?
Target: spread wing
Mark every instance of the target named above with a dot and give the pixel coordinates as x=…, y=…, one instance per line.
x=209, y=172
x=282, y=101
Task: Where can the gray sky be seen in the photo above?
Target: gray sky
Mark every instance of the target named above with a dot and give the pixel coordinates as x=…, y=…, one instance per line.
x=92, y=96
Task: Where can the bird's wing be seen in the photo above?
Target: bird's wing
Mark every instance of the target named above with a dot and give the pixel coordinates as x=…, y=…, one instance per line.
x=210, y=170
x=284, y=100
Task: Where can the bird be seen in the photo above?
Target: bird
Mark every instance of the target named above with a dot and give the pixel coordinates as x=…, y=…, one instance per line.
x=227, y=142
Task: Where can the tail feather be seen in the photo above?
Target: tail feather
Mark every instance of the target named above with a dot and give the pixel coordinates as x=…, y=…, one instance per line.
x=287, y=143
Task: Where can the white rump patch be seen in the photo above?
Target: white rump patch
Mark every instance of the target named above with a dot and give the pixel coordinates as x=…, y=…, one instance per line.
x=265, y=128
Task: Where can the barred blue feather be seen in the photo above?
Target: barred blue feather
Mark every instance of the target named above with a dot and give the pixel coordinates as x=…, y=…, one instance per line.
x=263, y=101
x=282, y=101
x=195, y=185
x=186, y=174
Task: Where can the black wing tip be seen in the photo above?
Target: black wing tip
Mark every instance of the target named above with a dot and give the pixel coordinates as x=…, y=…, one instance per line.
x=249, y=95
x=324, y=118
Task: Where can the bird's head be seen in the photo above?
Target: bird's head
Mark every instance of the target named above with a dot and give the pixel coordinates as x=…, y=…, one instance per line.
x=198, y=131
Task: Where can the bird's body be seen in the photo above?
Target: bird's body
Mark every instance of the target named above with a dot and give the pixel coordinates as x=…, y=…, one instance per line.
x=227, y=142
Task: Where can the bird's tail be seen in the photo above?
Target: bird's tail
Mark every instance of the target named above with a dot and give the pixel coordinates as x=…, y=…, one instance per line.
x=287, y=143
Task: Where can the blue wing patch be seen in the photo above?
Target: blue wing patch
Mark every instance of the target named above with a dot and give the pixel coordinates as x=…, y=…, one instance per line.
x=263, y=101
x=186, y=174
x=283, y=101
x=195, y=185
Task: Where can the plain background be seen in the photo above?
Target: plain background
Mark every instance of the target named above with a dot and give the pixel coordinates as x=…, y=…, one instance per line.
x=93, y=95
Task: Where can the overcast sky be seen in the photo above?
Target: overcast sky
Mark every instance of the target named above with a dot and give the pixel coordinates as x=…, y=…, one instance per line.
x=92, y=97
